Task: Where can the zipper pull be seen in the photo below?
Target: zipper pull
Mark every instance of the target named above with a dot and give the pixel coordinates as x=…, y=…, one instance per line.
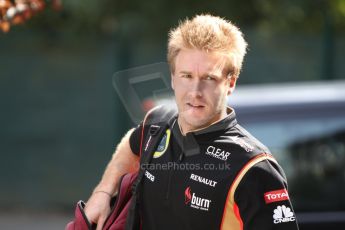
x=148, y=143
x=153, y=131
x=181, y=157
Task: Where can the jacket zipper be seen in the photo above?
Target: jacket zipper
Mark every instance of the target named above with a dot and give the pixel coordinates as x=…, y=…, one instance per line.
x=171, y=171
x=169, y=182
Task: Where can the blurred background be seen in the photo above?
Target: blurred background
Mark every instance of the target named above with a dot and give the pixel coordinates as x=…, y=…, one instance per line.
x=60, y=116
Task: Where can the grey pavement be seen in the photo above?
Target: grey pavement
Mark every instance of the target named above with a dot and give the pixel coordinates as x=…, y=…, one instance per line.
x=34, y=221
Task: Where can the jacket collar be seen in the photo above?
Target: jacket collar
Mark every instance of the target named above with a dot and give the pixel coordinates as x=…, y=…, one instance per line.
x=188, y=143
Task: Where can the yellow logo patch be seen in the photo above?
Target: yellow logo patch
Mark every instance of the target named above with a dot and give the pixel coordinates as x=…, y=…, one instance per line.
x=163, y=145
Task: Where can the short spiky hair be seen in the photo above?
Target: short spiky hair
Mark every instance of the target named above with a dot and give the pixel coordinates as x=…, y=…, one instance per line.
x=211, y=34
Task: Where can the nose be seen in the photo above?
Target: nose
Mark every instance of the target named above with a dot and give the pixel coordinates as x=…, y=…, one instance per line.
x=195, y=89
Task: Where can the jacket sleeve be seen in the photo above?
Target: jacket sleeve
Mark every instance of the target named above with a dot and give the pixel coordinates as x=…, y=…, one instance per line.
x=263, y=200
x=134, y=139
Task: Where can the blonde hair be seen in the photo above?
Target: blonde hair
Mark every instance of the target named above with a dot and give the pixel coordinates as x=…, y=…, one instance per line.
x=211, y=34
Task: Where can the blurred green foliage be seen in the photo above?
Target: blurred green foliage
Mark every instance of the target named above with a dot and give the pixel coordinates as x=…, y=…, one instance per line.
x=152, y=19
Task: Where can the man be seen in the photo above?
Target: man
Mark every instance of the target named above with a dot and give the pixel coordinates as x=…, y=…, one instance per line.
x=222, y=178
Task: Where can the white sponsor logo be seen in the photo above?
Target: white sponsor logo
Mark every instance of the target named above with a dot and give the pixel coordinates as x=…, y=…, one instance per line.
x=200, y=203
x=196, y=202
x=203, y=180
x=242, y=143
x=150, y=176
x=283, y=214
x=217, y=153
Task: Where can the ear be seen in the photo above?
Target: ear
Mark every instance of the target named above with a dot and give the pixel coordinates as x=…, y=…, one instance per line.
x=172, y=81
x=232, y=84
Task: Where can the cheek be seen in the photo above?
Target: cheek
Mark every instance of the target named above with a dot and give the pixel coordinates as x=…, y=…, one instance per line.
x=217, y=95
x=179, y=87
x=178, y=91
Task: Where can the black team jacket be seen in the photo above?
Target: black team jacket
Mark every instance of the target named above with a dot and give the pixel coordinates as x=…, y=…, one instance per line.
x=219, y=177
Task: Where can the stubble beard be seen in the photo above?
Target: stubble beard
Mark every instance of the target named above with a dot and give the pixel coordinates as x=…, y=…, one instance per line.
x=191, y=124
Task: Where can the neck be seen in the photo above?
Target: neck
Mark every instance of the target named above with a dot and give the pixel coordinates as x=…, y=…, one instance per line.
x=186, y=128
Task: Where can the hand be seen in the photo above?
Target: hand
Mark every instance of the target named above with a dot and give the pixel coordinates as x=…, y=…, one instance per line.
x=97, y=208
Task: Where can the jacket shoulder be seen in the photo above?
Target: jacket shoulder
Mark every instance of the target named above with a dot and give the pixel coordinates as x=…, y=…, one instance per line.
x=241, y=141
x=160, y=114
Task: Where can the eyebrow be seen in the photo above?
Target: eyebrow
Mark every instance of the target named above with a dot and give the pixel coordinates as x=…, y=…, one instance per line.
x=186, y=72
x=215, y=76
x=203, y=75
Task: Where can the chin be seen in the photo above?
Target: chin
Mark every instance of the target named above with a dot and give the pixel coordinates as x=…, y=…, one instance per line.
x=197, y=123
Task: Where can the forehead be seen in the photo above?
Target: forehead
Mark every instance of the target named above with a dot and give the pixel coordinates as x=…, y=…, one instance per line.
x=194, y=60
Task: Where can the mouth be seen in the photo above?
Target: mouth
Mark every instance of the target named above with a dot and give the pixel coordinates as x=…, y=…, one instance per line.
x=195, y=106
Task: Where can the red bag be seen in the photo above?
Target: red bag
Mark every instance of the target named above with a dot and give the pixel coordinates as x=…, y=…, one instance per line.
x=125, y=214
x=117, y=217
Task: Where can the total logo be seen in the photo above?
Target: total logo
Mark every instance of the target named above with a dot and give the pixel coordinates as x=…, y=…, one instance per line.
x=196, y=202
x=276, y=195
x=282, y=214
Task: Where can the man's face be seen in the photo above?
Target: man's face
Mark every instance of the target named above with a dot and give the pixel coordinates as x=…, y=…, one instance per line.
x=201, y=88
